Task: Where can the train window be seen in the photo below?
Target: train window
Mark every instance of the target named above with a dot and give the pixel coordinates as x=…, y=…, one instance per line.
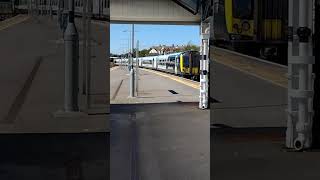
x=186, y=60
x=243, y=9
x=195, y=59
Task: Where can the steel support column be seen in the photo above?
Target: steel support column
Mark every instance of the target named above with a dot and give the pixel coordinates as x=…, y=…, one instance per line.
x=71, y=41
x=132, y=73
x=137, y=67
x=88, y=53
x=204, y=66
x=301, y=80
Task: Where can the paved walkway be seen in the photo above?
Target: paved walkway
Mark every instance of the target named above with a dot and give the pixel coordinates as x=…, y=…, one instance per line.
x=266, y=71
x=34, y=144
x=243, y=100
x=33, y=71
x=249, y=119
x=158, y=135
x=153, y=87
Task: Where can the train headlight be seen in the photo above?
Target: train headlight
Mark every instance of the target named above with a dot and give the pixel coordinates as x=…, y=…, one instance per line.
x=246, y=26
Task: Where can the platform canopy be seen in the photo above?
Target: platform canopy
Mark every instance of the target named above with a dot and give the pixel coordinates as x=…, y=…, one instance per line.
x=154, y=11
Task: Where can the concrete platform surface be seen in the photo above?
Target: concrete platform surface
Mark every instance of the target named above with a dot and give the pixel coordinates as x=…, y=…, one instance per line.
x=159, y=134
x=243, y=100
x=55, y=156
x=32, y=78
x=258, y=153
x=159, y=141
x=248, y=121
x=153, y=87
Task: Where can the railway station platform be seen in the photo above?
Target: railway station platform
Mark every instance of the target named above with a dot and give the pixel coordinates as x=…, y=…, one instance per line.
x=248, y=122
x=161, y=132
x=35, y=143
x=153, y=87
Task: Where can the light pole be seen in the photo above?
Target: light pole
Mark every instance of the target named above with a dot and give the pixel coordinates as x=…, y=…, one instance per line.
x=131, y=69
x=137, y=66
x=132, y=78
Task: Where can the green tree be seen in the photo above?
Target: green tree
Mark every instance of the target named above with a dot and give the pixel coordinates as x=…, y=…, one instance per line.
x=191, y=47
x=144, y=52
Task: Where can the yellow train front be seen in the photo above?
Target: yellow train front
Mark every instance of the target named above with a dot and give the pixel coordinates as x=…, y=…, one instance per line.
x=188, y=64
x=256, y=27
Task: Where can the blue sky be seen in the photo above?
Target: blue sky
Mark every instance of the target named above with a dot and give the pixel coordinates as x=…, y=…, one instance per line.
x=150, y=35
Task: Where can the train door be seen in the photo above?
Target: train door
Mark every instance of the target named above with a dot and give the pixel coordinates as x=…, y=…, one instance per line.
x=186, y=65
x=176, y=65
x=167, y=63
x=195, y=59
x=154, y=63
x=190, y=63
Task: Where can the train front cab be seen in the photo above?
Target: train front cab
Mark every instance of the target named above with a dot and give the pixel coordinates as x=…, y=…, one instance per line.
x=252, y=26
x=190, y=64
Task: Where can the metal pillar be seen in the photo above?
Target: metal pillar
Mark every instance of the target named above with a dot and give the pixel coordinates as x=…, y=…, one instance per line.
x=41, y=7
x=29, y=7
x=88, y=57
x=84, y=51
x=71, y=41
x=59, y=11
x=204, y=66
x=50, y=7
x=132, y=79
x=13, y=6
x=137, y=67
x=301, y=78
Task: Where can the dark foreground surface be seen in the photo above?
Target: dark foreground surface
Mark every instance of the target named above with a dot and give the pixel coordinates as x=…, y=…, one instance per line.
x=258, y=153
x=54, y=156
x=166, y=141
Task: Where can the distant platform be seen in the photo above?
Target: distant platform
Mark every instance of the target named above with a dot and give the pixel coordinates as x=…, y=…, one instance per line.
x=32, y=78
x=153, y=87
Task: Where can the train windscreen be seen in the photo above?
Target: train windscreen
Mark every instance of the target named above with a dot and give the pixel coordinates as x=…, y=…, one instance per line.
x=243, y=9
x=195, y=59
x=186, y=60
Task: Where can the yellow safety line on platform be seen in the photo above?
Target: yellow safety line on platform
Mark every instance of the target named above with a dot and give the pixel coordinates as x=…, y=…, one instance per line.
x=194, y=85
x=12, y=21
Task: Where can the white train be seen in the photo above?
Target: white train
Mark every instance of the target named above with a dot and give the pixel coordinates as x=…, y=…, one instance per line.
x=186, y=64
x=100, y=8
